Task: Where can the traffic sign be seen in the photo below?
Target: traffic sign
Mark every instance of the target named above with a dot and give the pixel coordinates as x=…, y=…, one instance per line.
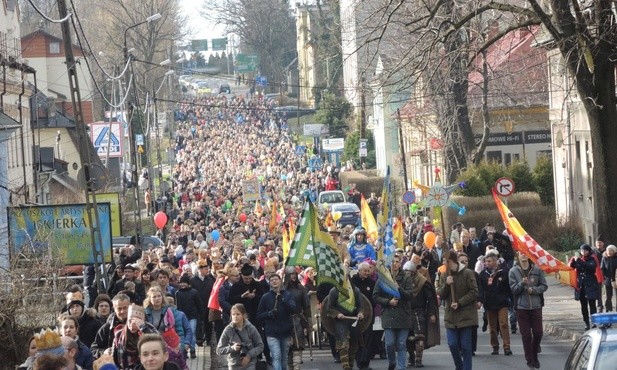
x=409, y=197
x=363, y=150
x=140, y=149
x=219, y=44
x=139, y=139
x=199, y=45
x=504, y=186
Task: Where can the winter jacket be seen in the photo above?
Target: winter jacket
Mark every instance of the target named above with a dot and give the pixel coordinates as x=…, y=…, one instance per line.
x=586, y=279
x=203, y=287
x=89, y=325
x=248, y=336
x=275, y=312
x=235, y=296
x=399, y=316
x=105, y=336
x=189, y=302
x=495, y=289
x=465, y=294
x=84, y=356
x=524, y=300
x=224, y=301
x=609, y=265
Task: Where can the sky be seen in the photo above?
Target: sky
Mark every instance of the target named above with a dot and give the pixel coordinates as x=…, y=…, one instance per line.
x=201, y=28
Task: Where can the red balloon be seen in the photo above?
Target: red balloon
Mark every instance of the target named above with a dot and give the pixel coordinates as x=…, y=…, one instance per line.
x=242, y=217
x=160, y=219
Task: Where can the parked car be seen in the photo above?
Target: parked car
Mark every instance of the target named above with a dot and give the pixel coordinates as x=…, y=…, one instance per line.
x=224, y=88
x=597, y=348
x=121, y=241
x=331, y=197
x=350, y=213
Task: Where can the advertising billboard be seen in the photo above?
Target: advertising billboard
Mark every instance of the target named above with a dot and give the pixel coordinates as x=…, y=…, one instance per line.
x=116, y=209
x=63, y=227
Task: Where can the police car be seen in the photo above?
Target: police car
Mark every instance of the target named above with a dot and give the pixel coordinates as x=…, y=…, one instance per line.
x=597, y=348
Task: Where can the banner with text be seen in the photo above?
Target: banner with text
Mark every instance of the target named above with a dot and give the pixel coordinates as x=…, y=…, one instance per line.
x=63, y=227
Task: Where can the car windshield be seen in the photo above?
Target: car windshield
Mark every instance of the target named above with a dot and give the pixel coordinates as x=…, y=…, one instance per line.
x=333, y=198
x=607, y=355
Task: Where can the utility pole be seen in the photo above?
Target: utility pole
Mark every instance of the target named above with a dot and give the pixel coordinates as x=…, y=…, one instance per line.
x=402, y=146
x=86, y=153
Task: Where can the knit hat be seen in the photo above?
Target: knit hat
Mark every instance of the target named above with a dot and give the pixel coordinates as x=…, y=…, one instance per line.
x=185, y=278
x=585, y=247
x=600, y=238
x=246, y=270
x=73, y=302
x=612, y=248
x=48, y=342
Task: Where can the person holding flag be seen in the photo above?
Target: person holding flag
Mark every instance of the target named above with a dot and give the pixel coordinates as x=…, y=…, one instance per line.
x=396, y=315
x=347, y=335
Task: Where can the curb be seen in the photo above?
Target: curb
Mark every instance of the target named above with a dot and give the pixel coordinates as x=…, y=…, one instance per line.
x=556, y=331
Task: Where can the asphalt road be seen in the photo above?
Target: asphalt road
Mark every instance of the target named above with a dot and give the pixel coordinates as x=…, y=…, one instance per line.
x=553, y=356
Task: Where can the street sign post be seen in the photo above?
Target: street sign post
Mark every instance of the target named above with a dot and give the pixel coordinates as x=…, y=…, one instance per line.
x=504, y=186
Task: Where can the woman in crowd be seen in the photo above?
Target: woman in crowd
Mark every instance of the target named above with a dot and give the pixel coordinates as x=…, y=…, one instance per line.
x=103, y=306
x=240, y=341
x=32, y=350
x=588, y=289
x=69, y=327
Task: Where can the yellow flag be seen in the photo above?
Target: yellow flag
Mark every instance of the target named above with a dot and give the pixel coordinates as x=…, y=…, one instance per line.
x=368, y=221
x=398, y=234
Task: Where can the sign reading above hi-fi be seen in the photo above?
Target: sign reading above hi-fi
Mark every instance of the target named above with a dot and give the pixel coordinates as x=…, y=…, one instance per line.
x=105, y=140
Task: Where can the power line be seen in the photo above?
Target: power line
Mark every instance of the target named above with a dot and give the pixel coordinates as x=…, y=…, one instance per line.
x=46, y=17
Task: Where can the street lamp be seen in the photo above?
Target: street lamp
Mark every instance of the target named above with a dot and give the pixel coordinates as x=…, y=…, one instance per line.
x=151, y=18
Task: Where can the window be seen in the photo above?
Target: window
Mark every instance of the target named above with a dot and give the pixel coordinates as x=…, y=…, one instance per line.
x=494, y=156
x=54, y=48
x=507, y=158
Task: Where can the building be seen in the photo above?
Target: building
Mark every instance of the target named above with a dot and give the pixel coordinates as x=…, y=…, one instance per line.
x=571, y=146
x=389, y=95
x=517, y=105
x=56, y=141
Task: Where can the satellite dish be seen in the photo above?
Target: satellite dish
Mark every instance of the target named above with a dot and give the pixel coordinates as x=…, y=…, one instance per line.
x=98, y=177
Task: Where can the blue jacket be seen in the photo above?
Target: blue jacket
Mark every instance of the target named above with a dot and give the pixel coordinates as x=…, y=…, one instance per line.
x=586, y=277
x=277, y=323
x=84, y=356
x=225, y=302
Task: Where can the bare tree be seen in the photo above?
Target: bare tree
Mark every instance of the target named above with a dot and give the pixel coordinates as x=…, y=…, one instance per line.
x=265, y=27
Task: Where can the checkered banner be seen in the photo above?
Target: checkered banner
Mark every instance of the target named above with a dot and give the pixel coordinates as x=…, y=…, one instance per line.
x=312, y=247
x=523, y=242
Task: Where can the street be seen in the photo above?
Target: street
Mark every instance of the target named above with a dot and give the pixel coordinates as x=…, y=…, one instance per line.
x=553, y=356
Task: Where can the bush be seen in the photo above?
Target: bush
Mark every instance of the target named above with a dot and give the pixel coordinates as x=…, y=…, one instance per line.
x=521, y=175
x=543, y=180
x=537, y=219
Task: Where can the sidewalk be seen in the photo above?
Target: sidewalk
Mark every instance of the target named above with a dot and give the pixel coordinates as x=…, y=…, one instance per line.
x=561, y=314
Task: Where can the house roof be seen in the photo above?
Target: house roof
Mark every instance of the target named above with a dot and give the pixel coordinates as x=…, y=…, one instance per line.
x=43, y=32
x=517, y=75
x=7, y=123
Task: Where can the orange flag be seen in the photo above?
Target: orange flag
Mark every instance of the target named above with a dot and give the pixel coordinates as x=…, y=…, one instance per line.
x=329, y=221
x=523, y=242
x=399, y=236
x=273, y=218
x=291, y=228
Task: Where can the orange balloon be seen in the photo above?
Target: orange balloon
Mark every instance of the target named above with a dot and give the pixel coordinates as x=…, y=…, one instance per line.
x=429, y=239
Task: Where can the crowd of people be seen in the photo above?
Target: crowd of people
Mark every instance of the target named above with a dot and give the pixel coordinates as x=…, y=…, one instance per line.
x=220, y=279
